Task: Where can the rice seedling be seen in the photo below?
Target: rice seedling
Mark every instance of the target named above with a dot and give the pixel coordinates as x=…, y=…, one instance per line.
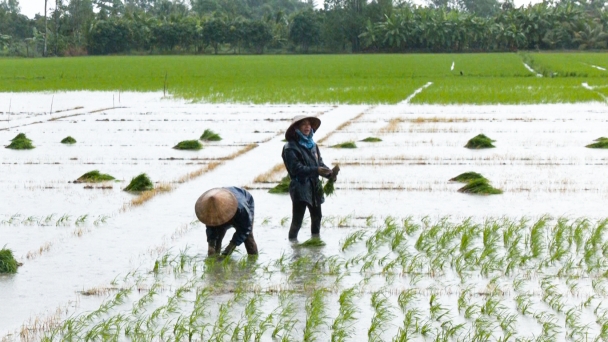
x=601, y=142
x=481, y=187
x=382, y=316
x=371, y=139
x=347, y=144
x=312, y=242
x=140, y=183
x=480, y=141
x=467, y=177
x=8, y=264
x=352, y=239
x=188, y=145
x=342, y=327
x=68, y=140
x=20, y=142
x=94, y=177
x=282, y=187
x=315, y=315
x=209, y=135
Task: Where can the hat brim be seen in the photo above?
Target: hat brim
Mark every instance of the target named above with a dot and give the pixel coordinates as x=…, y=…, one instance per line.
x=290, y=134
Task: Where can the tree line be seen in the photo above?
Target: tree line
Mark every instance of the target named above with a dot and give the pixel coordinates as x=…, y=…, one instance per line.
x=101, y=27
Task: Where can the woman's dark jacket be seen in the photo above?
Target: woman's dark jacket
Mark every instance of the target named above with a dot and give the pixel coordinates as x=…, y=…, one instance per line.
x=242, y=221
x=302, y=165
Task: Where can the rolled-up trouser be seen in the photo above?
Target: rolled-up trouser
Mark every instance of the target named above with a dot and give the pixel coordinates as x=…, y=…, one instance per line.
x=250, y=245
x=298, y=210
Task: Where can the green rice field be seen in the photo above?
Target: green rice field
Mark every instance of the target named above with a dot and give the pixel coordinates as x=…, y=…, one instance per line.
x=346, y=79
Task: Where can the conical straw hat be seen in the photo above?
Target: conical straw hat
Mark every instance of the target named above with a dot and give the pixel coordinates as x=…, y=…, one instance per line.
x=216, y=207
x=291, y=131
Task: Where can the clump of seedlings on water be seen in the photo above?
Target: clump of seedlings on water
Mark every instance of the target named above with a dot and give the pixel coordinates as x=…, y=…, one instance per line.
x=94, y=177
x=282, y=187
x=8, y=264
x=480, y=141
x=188, y=145
x=347, y=144
x=601, y=142
x=20, y=142
x=209, y=135
x=68, y=140
x=372, y=139
x=476, y=184
x=312, y=242
x=140, y=183
x=480, y=186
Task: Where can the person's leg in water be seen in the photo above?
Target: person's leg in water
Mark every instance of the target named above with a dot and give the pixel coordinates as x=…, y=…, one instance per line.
x=297, y=215
x=250, y=245
x=220, y=236
x=315, y=220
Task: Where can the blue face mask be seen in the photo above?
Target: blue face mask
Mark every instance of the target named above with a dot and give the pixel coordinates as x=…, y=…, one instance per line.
x=306, y=141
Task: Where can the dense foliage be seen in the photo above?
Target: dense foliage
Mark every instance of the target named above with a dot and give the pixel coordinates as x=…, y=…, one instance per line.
x=258, y=26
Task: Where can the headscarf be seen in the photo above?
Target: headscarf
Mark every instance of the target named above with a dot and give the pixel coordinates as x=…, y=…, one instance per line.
x=306, y=141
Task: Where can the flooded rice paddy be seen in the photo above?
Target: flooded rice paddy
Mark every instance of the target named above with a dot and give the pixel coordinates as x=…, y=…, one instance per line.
x=407, y=257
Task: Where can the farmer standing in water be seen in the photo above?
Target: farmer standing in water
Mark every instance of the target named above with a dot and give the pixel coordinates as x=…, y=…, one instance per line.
x=223, y=208
x=304, y=164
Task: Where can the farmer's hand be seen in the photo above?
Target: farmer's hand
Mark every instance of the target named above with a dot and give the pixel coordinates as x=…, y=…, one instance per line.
x=323, y=171
x=211, y=250
x=229, y=249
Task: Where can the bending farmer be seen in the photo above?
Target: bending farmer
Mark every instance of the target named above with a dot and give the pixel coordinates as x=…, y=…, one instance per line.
x=223, y=208
x=304, y=164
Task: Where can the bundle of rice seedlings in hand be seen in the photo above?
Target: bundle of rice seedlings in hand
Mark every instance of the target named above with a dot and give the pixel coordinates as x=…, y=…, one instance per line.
x=188, y=145
x=348, y=144
x=8, y=264
x=94, y=177
x=282, y=187
x=467, y=177
x=479, y=186
x=371, y=139
x=480, y=141
x=601, y=142
x=140, y=183
x=20, y=142
x=312, y=242
x=209, y=135
x=68, y=140
x=328, y=188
